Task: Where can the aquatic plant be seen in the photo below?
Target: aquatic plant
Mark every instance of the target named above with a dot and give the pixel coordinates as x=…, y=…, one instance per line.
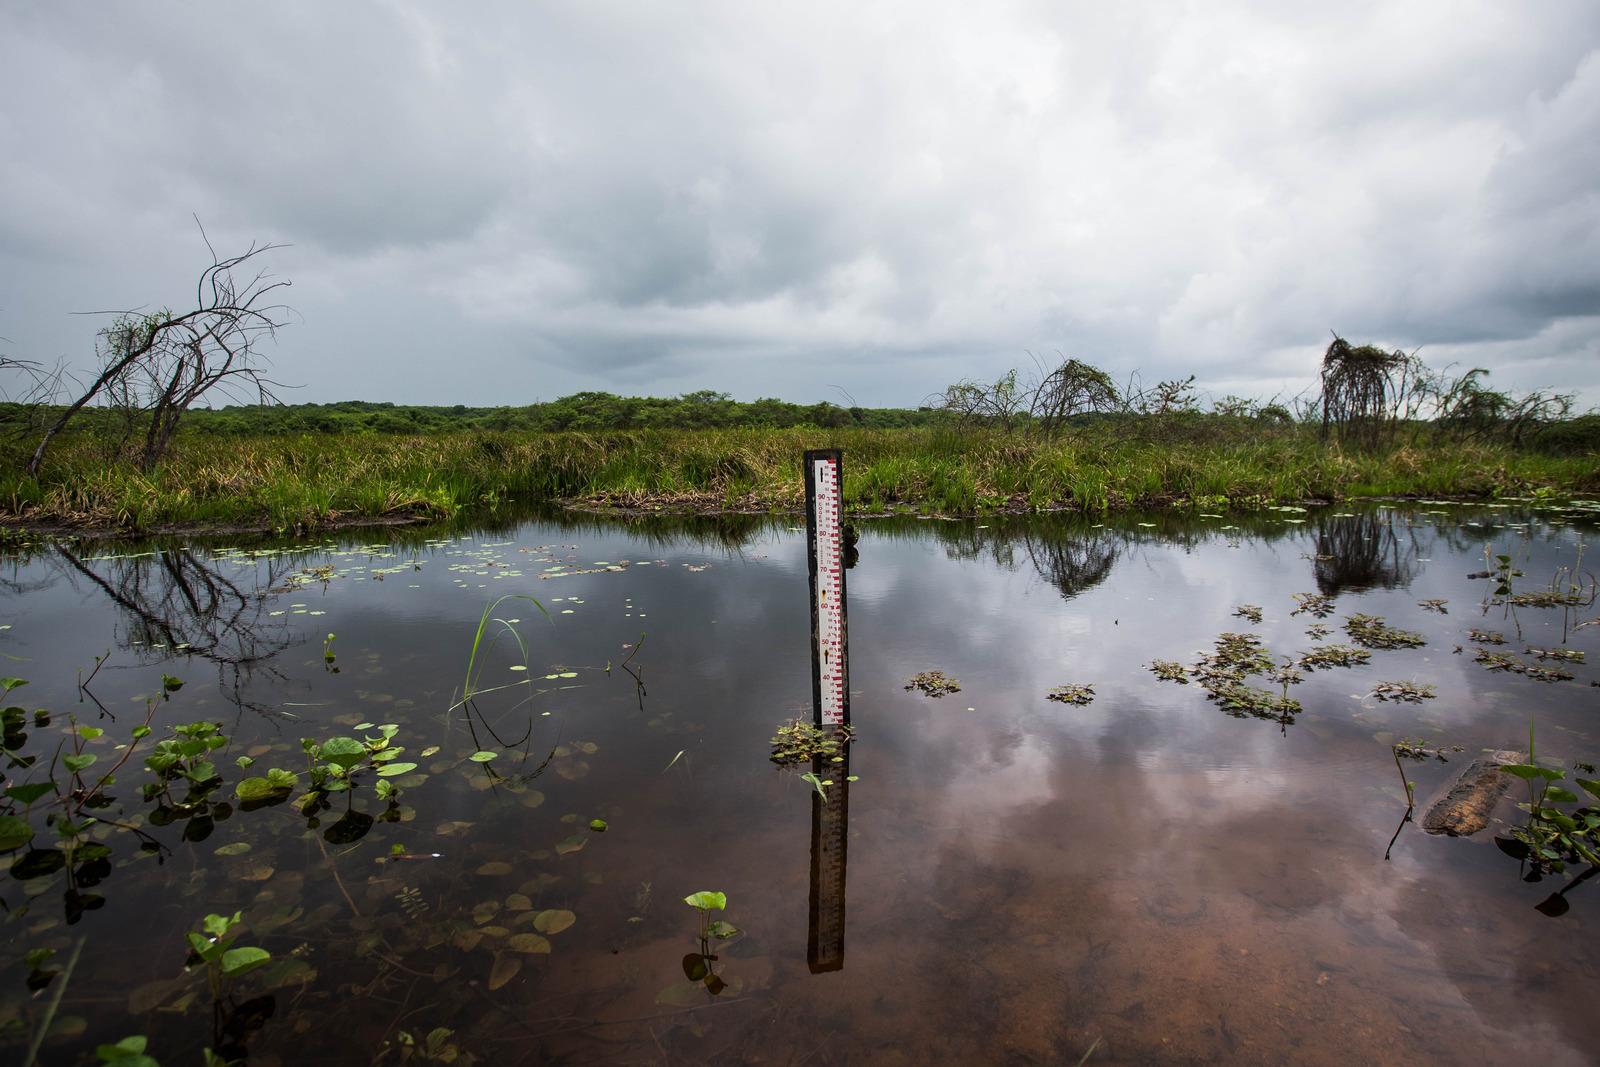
x=1434, y=605
x=1323, y=657
x=1409, y=692
x=213, y=946
x=1566, y=655
x=130, y=1052
x=799, y=741
x=1169, y=671
x=1315, y=604
x=933, y=683
x=1552, y=838
x=1071, y=694
x=700, y=966
x=1486, y=637
x=1252, y=612
x=1373, y=632
x=1500, y=661
x=1317, y=631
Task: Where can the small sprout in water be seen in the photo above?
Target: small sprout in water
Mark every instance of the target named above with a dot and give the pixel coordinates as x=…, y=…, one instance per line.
x=597, y=825
x=169, y=684
x=1248, y=611
x=1434, y=605
x=1486, y=637
x=933, y=683
x=1071, y=694
x=817, y=784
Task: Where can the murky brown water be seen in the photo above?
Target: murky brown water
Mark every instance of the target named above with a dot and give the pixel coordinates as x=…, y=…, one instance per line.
x=1145, y=875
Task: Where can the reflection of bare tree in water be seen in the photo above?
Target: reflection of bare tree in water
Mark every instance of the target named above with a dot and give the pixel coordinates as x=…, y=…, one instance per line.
x=176, y=603
x=1356, y=552
x=1072, y=563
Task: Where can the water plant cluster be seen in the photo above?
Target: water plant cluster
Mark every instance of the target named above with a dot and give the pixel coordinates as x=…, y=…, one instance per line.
x=933, y=683
x=1553, y=837
x=799, y=741
x=1372, y=632
x=1071, y=694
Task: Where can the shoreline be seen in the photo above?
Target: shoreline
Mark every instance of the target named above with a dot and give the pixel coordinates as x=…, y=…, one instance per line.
x=669, y=505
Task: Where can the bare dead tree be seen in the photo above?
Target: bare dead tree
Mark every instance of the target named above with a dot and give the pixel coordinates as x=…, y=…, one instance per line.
x=1072, y=388
x=154, y=366
x=1358, y=386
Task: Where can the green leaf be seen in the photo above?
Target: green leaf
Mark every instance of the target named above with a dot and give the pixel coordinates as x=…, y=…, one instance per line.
x=141, y=731
x=202, y=771
x=14, y=833
x=598, y=825
x=78, y=763
x=1589, y=785
x=553, y=921
x=721, y=930
x=170, y=684
x=27, y=794
x=344, y=752
x=217, y=925
x=257, y=789
x=390, y=770
x=1527, y=772
x=282, y=779
x=89, y=733
x=1565, y=796
x=243, y=762
x=482, y=757
x=707, y=900
x=8, y=684
x=237, y=961
x=203, y=946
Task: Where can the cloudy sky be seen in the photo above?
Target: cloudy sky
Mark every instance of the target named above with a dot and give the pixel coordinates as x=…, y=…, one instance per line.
x=502, y=203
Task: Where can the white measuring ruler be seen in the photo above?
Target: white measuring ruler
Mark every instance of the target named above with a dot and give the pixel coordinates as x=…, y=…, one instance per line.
x=830, y=692
x=825, y=550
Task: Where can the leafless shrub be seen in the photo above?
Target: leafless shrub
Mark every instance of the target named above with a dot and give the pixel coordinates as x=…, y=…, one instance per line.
x=155, y=365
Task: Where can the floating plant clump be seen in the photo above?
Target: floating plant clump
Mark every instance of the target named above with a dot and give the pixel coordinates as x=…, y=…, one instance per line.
x=1325, y=656
x=1373, y=632
x=1313, y=604
x=1408, y=692
x=1071, y=694
x=1566, y=655
x=1251, y=612
x=1500, y=661
x=1170, y=671
x=933, y=684
x=799, y=741
x=1434, y=605
x=1486, y=637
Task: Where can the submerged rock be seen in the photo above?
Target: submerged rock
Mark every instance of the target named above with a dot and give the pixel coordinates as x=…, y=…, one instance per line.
x=1465, y=806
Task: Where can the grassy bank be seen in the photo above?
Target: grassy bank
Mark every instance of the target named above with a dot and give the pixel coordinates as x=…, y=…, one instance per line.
x=311, y=480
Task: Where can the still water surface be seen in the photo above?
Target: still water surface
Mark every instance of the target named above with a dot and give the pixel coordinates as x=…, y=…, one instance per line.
x=1145, y=875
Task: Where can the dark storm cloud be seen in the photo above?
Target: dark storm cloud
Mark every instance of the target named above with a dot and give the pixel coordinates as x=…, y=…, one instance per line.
x=508, y=201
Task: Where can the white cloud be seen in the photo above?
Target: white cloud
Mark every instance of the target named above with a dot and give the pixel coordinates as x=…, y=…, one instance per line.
x=762, y=199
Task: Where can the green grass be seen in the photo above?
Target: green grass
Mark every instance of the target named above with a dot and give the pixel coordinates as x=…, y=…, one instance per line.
x=314, y=479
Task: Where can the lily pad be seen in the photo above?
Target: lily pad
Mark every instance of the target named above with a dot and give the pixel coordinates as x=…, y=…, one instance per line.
x=553, y=921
